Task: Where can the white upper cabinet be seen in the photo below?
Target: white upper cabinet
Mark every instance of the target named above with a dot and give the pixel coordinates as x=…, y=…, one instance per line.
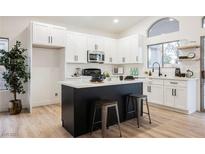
x=136, y=49
x=123, y=49
x=110, y=51
x=41, y=34
x=76, y=48
x=48, y=35
x=93, y=40
x=58, y=36
x=130, y=49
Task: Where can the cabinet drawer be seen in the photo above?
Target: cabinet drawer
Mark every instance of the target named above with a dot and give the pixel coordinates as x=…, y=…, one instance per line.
x=154, y=81
x=175, y=83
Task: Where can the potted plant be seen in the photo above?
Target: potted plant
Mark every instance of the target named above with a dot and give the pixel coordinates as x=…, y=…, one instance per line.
x=107, y=76
x=16, y=74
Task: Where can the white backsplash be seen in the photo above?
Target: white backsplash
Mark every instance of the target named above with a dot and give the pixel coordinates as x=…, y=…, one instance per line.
x=170, y=72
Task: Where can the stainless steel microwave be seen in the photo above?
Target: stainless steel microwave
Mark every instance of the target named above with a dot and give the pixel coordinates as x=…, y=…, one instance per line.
x=95, y=56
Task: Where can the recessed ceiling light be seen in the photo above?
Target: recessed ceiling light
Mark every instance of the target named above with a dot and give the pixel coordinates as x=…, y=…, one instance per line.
x=171, y=19
x=115, y=20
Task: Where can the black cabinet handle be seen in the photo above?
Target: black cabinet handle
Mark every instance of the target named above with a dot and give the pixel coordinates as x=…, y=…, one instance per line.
x=173, y=82
x=172, y=92
x=175, y=92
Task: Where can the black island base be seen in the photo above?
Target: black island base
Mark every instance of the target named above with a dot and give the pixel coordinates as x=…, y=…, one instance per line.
x=77, y=105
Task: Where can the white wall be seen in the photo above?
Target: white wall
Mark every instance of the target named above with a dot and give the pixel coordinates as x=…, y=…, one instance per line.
x=46, y=73
x=190, y=28
x=0, y=26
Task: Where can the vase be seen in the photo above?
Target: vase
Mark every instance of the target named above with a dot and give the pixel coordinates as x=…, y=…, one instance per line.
x=15, y=107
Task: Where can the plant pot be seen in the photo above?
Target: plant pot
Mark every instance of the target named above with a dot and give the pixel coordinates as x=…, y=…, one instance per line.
x=15, y=107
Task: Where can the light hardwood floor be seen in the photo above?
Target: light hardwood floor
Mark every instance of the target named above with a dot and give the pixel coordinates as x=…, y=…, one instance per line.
x=45, y=122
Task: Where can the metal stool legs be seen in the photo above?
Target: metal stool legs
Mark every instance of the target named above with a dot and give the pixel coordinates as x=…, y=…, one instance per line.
x=118, y=119
x=148, y=111
x=104, y=120
x=104, y=115
x=138, y=100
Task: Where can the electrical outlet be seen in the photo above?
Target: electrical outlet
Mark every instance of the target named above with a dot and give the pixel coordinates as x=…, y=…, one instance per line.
x=56, y=94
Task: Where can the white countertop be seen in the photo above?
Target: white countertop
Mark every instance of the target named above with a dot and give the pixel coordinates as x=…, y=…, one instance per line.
x=88, y=84
x=144, y=77
x=168, y=78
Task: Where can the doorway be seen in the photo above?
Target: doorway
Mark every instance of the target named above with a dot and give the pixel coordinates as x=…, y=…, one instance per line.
x=202, y=76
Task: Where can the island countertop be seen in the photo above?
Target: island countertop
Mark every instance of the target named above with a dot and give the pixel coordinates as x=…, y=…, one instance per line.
x=88, y=84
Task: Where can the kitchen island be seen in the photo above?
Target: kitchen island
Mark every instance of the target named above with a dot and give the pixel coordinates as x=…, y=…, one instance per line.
x=78, y=98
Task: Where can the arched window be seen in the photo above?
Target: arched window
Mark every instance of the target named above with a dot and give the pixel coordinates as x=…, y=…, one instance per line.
x=163, y=26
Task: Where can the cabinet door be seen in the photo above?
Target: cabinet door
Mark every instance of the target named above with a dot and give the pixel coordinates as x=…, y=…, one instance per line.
x=123, y=50
x=180, y=98
x=41, y=34
x=110, y=51
x=134, y=56
x=156, y=94
x=100, y=42
x=140, y=48
x=91, y=41
x=58, y=36
x=76, y=48
x=169, y=97
x=147, y=91
x=81, y=47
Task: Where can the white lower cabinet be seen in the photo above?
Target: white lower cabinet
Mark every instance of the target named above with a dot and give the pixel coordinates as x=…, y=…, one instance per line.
x=157, y=94
x=154, y=92
x=172, y=93
x=168, y=96
x=181, y=98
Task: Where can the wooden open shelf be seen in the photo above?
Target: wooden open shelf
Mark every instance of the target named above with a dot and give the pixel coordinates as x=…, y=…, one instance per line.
x=188, y=47
x=189, y=59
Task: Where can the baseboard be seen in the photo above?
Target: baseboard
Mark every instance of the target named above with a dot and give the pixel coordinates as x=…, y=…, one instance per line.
x=169, y=108
x=43, y=103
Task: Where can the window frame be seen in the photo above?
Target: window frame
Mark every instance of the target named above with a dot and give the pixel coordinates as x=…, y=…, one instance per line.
x=157, y=22
x=6, y=38
x=162, y=43
x=203, y=22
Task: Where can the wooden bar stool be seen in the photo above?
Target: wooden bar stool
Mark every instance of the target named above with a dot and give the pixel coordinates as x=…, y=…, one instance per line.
x=104, y=105
x=138, y=100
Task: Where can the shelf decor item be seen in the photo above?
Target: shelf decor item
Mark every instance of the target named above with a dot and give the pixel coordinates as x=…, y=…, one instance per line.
x=16, y=74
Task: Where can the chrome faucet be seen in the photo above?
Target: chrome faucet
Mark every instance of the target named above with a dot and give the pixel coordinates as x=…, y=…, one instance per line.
x=159, y=68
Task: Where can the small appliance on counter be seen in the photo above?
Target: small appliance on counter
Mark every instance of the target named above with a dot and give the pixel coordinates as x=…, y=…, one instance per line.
x=189, y=73
x=77, y=72
x=177, y=72
x=118, y=70
x=129, y=77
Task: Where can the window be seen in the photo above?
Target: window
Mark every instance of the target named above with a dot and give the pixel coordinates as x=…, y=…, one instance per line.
x=163, y=26
x=203, y=22
x=4, y=42
x=166, y=54
x=154, y=54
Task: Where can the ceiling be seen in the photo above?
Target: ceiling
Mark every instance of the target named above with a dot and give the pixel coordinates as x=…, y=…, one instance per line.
x=98, y=23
